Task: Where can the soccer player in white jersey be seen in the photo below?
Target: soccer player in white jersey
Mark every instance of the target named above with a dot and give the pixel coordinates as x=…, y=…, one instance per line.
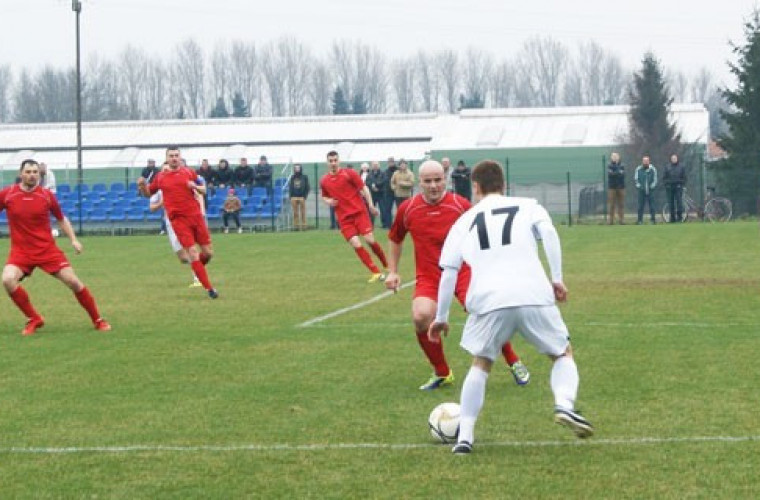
x=509, y=292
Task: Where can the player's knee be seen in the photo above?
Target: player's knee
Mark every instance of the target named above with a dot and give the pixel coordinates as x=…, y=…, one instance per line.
x=10, y=283
x=421, y=321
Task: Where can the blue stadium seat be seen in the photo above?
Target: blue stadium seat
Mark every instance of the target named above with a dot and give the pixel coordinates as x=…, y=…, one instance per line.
x=157, y=215
x=135, y=214
x=63, y=188
x=117, y=213
x=98, y=214
x=99, y=187
x=117, y=187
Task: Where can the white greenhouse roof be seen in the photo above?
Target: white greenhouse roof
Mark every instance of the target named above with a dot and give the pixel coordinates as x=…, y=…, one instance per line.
x=307, y=139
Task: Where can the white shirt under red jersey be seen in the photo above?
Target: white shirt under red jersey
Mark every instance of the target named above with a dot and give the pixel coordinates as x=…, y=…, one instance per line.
x=497, y=238
x=345, y=186
x=29, y=219
x=178, y=198
x=429, y=224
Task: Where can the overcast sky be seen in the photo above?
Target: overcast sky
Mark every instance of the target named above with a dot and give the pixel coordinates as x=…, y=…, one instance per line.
x=685, y=36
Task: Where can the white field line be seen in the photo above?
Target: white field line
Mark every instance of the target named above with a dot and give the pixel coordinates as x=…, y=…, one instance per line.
x=359, y=305
x=370, y=446
x=669, y=323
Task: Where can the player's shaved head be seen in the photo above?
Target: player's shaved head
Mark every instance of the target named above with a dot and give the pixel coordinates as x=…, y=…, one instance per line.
x=430, y=166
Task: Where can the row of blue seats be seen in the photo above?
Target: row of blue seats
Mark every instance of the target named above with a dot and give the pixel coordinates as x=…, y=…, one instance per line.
x=214, y=204
x=117, y=187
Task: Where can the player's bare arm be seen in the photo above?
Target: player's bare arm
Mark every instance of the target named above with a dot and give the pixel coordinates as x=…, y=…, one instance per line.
x=393, y=281
x=68, y=230
x=560, y=291
x=368, y=198
x=142, y=186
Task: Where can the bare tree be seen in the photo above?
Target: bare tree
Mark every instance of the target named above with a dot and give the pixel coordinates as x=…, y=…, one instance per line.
x=133, y=64
x=102, y=92
x=158, y=92
x=295, y=67
x=320, y=89
x=447, y=63
x=270, y=70
x=502, y=85
x=188, y=78
x=244, y=74
x=403, y=85
x=428, y=82
x=541, y=67
x=678, y=85
x=6, y=83
x=615, y=79
x=220, y=75
x=478, y=66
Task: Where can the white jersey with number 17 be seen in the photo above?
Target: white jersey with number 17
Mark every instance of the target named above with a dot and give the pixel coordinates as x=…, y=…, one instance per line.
x=497, y=238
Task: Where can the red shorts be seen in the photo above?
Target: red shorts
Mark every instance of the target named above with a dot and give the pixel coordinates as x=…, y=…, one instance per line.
x=191, y=229
x=53, y=261
x=355, y=225
x=428, y=288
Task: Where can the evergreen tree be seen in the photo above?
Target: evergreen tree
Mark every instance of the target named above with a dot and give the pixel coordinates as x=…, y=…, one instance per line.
x=359, y=105
x=239, y=106
x=651, y=132
x=339, y=103
x=474, y=101
x=220, y=110
x=738, y=176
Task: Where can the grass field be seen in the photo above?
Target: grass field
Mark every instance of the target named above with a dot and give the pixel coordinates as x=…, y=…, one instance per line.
x=193, y=398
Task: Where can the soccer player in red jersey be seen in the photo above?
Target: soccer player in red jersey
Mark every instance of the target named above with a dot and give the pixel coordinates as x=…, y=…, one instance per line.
x=178, y=186
x=343, y=189
x=428, y=217
x=29, y=207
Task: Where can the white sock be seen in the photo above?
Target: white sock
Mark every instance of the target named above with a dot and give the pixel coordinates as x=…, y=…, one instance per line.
x=471, y=401
x=564, y=382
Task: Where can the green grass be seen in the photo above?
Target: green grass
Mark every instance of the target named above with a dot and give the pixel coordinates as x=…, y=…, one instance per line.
x=664, y=321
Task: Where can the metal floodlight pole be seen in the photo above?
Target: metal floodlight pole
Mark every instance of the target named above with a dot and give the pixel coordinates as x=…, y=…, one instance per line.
x=76, y=6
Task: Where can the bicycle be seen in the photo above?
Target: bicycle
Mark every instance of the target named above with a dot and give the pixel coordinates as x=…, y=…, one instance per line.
x=715, y=209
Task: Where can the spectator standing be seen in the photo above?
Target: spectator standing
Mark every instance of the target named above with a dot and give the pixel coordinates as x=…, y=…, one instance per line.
x=231, y=209
x=645, y=178
x=674, y=179
x=386, y=210
x=364, y=172
x=243, y=176
x=298, y=191
x=460, y=177
x=615, y=188
x=47, y=178
x=402, y=183
x=376, y=183
x=447, y=171
x=224, y=179
x=150, y=169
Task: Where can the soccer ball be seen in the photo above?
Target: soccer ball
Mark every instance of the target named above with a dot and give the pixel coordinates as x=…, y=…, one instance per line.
x=444, y=422
x=55, y=233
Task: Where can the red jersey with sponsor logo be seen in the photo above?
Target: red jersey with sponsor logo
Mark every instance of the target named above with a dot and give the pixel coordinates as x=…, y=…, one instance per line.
x=178, y=198
x=345, y=186
x=29, y=220
x=429, y=225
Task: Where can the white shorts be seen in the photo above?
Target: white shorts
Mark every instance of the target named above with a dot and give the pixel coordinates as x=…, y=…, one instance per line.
x=176, y=245
x=485, y=334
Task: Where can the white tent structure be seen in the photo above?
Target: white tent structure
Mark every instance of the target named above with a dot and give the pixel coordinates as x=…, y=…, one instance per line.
x=307, y=139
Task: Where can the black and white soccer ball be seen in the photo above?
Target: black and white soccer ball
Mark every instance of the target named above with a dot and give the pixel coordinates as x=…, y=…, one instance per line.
x=444, y=422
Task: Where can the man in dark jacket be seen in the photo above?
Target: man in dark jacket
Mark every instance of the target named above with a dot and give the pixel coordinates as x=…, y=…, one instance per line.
x=674, y=179
x=243, y=176
x=224, y=175
x=150, y=170
x=376, y=182
x=461, y=179
x=386, y=205
x=298, y=190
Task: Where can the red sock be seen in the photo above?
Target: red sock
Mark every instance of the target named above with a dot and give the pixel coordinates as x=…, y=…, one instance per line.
x=88, y=302
x=21, y=299
x=378, y=250
x=200, y=272
x=366, y=259
x=205, y=258
x=434, y=353
x=509, y=354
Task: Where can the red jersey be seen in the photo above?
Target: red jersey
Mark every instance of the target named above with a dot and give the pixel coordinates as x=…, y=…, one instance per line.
x=178, y=198
x=429, y=225
x=29, y=220
x=345, y=186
